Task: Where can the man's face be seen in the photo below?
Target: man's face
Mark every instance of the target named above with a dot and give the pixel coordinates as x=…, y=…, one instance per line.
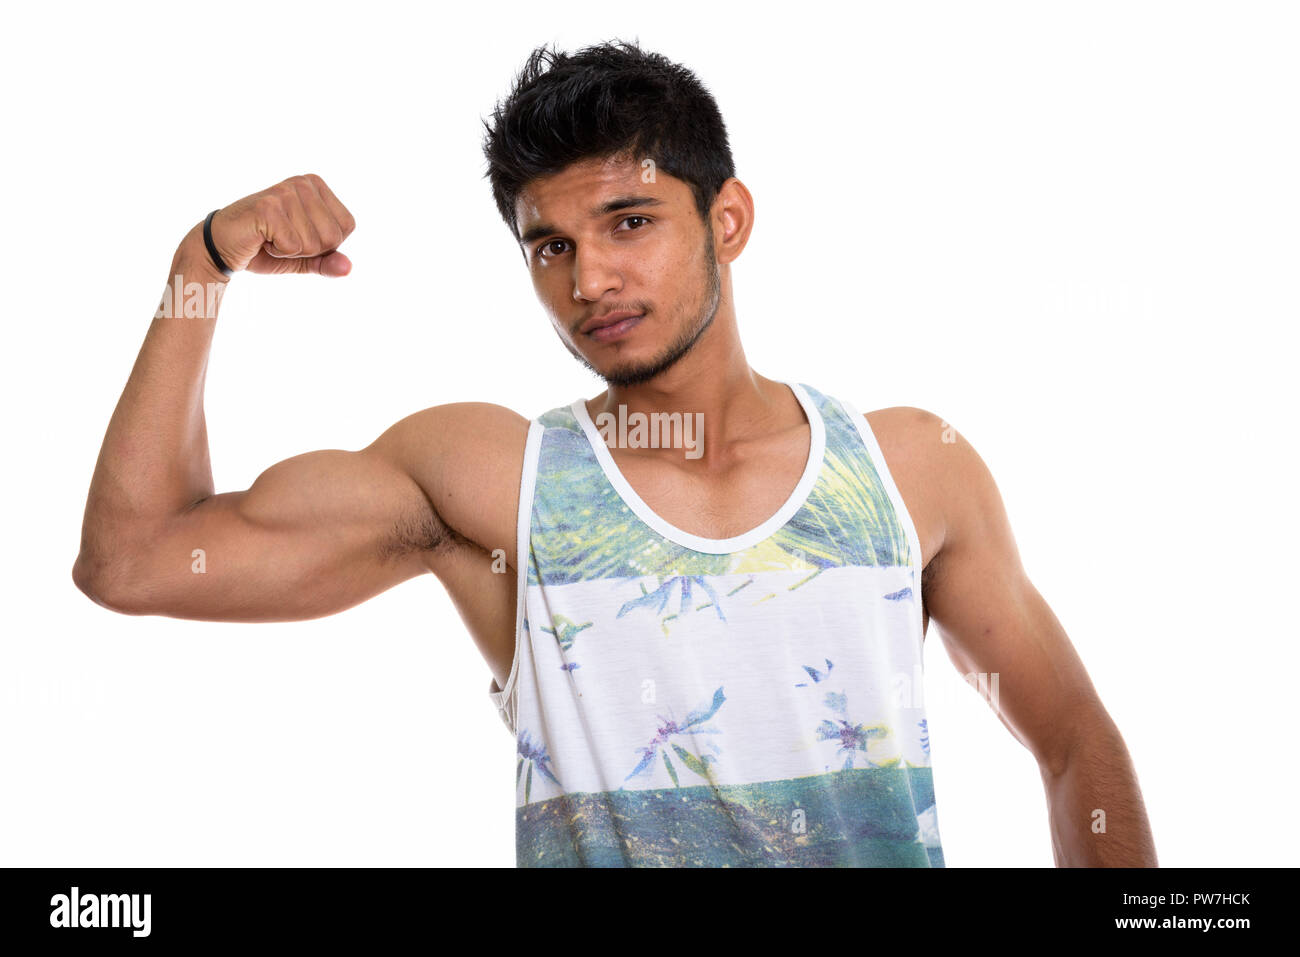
x=605, y=248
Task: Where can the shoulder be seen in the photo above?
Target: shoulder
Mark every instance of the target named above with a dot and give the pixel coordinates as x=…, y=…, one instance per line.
x=921, y=439
x=936, y=468
x=467, y=458
x=904, y=425
x=458, y=433
x=913, y=440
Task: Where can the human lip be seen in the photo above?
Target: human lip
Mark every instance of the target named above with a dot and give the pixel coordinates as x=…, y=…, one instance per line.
x=611, y=325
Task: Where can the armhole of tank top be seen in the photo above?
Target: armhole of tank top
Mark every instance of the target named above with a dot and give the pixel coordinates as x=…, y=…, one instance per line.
x=900, y=509
x=523, y=526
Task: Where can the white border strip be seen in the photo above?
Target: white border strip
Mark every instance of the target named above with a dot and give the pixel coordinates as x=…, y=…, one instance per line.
x=716, y=546
x=523, y=526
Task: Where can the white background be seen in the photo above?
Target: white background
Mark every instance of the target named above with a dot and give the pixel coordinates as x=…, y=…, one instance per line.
x=1070, y=230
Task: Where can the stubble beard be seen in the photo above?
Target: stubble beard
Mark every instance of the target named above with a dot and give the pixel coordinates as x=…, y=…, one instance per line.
x=633, y=375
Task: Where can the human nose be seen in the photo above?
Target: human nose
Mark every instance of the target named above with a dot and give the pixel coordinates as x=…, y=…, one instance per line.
x=594, y=275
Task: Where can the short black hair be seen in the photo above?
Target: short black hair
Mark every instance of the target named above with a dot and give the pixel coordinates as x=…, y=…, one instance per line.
x=608, y=100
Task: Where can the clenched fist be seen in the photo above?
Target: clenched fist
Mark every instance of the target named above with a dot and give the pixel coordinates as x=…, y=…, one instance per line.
x=293, y=227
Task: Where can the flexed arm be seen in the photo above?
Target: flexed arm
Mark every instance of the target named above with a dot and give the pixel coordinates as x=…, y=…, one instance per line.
x=314, y=534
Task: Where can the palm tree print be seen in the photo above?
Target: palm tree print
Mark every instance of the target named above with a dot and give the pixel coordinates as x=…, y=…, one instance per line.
x=853, y=737
x=565, y=631
x=848, y=518
x=534, y=755
x=698, y=763
x=657, y=600
x=816, y=675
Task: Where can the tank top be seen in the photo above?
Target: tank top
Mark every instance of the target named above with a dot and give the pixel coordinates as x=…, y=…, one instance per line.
x=687, y=701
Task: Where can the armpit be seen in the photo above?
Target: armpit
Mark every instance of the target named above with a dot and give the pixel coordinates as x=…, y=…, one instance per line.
x=420, y=531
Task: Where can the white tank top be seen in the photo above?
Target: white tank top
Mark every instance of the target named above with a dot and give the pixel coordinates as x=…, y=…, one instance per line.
x=687, y=701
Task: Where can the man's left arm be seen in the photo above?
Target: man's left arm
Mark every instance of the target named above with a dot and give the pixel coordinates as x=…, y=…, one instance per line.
x=993, y=621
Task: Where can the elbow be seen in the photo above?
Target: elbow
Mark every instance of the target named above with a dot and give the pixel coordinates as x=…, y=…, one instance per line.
x=1079, y=740
x=103, y=585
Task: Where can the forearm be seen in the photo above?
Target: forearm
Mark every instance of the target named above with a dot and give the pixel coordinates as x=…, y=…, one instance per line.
x=1095, y=806
x=154, y=460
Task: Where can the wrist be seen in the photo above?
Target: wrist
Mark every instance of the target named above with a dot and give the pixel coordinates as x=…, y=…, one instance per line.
x=194, y=285
x=193, y=262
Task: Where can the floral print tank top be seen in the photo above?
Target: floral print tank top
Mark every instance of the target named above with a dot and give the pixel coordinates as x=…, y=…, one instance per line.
x=686, y=701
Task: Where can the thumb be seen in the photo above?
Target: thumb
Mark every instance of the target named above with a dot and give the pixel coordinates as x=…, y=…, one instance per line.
x=328, y=264
x=333, y=264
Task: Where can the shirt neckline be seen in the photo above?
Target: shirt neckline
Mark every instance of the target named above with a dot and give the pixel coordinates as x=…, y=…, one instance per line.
x=716, y=546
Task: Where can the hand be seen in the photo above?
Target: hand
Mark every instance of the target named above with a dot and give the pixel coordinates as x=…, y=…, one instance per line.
x=293, y=227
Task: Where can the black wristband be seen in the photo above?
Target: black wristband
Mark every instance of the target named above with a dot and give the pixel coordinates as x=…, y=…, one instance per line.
x=212, y=248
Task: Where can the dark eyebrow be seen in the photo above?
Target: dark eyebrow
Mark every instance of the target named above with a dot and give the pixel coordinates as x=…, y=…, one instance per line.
x=534, y=233
x=625, y=202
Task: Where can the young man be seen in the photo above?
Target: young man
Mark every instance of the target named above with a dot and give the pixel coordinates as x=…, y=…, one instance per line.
x=702, y=594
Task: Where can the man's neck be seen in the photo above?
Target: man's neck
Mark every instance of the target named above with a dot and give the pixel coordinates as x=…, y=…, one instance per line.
x=714, y=379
